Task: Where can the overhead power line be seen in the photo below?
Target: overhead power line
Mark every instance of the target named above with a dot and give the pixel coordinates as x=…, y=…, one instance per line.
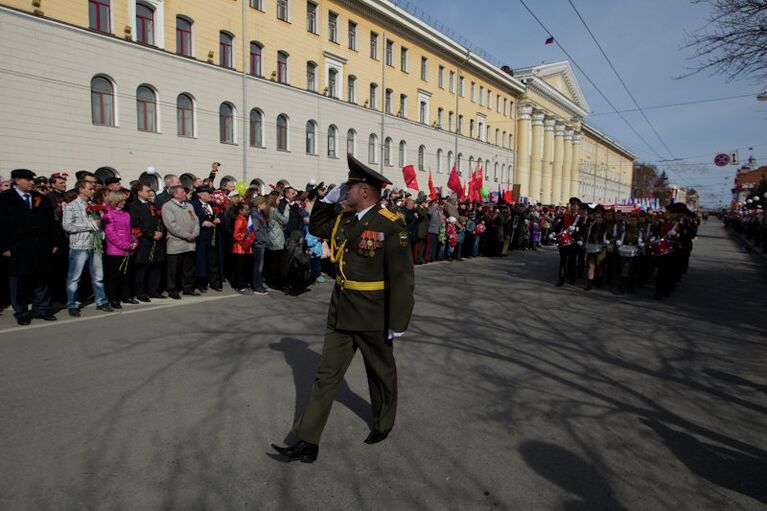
x=684, y=103
x=588, y=78
x=620, y=79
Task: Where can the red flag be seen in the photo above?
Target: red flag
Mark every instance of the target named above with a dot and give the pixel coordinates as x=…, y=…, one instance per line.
x=478, y=184
x=433, y=194
x=454, y=183
x=408, y=172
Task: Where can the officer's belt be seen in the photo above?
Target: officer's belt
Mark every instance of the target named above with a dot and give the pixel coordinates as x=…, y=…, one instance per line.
x=354, y=285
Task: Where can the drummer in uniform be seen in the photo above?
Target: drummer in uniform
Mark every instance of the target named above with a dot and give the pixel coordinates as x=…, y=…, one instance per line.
x=629, y=245
x=571, y=224
x=595, y=239
x=371, y=304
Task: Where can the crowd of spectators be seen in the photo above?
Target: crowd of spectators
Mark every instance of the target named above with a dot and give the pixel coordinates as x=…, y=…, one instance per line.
x=749, y=223
x=113, y=244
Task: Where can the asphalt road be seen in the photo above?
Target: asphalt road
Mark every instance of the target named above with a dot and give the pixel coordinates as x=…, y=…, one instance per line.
x=514, y=394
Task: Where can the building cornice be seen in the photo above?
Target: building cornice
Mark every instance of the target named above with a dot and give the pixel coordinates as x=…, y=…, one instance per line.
x=539, y=86
x=604, y=139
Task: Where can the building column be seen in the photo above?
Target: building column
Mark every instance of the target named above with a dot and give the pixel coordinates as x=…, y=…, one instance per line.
x=523, y=149
x=567, y=165
x=556, y=175
x=548, y=158
x=536, y=156
x=575, y=183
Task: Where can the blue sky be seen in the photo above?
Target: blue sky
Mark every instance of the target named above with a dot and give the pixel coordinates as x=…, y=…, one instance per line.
x=644, y=39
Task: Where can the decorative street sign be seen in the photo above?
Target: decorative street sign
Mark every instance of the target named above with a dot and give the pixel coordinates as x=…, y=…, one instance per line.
x=722, y=160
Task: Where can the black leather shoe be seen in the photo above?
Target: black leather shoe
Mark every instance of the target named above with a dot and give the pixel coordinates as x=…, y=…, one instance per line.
x=376, y=436
x=75, y=313
x=158, y=296
x=105, y=308
x=192, y=293
x=302, y=451
x=115, y=305
x=23, y=319
x=144, y=299
x=174, y=295
x=45, y=317
x=131, y=301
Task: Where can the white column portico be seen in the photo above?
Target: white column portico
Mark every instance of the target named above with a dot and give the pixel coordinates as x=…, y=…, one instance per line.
x=556, y=176
x=576, y=162
x=548, y=158
x=536, y=156
x=523, y=148
x=567, y=165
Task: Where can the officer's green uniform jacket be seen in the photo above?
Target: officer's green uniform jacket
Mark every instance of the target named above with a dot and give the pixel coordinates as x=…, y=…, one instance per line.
x=375, y=249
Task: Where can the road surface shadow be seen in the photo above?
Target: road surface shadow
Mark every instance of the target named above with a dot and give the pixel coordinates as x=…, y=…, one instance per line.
x=571, y=473
x=304, y=362
x=731, y=469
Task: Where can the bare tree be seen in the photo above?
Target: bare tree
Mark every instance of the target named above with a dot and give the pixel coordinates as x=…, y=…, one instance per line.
x=734, y=41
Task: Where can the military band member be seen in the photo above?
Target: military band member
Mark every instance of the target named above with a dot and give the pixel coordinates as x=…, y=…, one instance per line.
x=630, y=243
x=370, y=306
x=571, y=223
x=595, y=240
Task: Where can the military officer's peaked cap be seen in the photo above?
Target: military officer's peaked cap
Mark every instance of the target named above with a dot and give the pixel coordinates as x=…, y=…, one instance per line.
x=361, y=173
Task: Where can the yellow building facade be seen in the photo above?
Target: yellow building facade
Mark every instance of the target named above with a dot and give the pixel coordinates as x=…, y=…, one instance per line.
x=365, y=69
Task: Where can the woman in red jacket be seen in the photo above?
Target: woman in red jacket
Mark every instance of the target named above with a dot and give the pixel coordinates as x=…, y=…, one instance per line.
x=242, y=249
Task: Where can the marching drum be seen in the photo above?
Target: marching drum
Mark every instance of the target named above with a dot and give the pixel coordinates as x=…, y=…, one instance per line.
x=661, y=248
x=611, y=246
x=628, y=251
x=594, y=248
x=565, y=239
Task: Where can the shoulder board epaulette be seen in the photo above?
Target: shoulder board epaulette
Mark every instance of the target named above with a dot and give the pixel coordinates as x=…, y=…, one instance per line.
x=388, y=214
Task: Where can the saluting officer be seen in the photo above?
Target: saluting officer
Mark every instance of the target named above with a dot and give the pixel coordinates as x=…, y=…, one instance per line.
x=371, y=304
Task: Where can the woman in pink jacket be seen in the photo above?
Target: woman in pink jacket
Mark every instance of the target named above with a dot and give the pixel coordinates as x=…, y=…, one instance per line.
x=120, y=244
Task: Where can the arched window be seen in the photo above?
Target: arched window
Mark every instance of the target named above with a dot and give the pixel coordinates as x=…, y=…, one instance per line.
x=471, y=128
x=332, y=141
x=460, y=124
x=503, y=173
x=226, y=49
x=256, y=128
x=256, y=59
x=497, y=135
x=146, y=108
x=421, y=157
x=282, y=132
x=144, y=24
x=450, y=161
x=450, y=120
x=226, y=123
x=459, y=163
x=102, y=101
x=333, y=83
x=311, y=137
x=99, y=15
x=402, y=152
x=511, y=140
x=351, y=142
x=487, y=169
x=372, y=152
x=311, y=76
x=503, y=139
x=351, y=91
x=471, y=164
x=282, y=67
x=439, y=161
x=387, y=100
x=495, y=172
x=387, y=151
x=184, y=115
x=183, y=36
x=422, y=113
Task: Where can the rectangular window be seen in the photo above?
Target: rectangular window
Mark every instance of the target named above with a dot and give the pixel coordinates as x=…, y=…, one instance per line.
x=352, y=36
x=422, y=113
x=183, y=37
x=452, y=81
x=498, y=104
x=473, y=91
x=373, y=98
x=481, y=95
x=282, y=10
x=403, y=59
x=255, y=59
x=257, y=4
x=351, y=92
x=441, y=77
x=387, y=101
x=461, y=82
x=402, y=105
x=389, y=52
x=311, y=17
x=505, y=107
x=489, y=99
x=424, y=69
x=440, y=113
x=333, y=26
x=450, y=121
x=373, y=45
x=99, y=15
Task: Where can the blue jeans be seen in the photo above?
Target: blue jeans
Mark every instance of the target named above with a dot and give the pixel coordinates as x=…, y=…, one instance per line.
x=258, y=268
x=77, y=261
x=475, y=247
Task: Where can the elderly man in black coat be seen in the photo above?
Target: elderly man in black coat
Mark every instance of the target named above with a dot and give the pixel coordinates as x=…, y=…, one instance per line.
x=27, y=230
x=150, y=253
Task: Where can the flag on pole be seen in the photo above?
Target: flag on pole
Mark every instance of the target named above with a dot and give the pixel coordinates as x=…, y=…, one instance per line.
x=408, y=172
x=433, y=194
x=454, y=183
x=550, y=40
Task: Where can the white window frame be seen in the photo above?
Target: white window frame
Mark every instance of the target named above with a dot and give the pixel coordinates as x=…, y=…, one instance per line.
x=337, y=63
x=316, y=30
x=424, y=97
x=158, y=25
x=352, y=35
